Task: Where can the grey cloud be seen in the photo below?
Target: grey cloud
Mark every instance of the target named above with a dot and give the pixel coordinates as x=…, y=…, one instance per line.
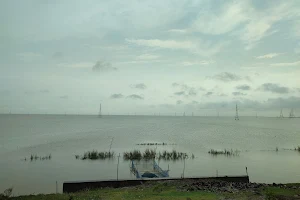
x=270, y=104
x=30, y=92
x=4, y=92
x=179, y=102
x=208, y=94
x=44, y=91
x=192, y=92
x=57, y=55
x=227, y=77
x=223, y=95
x=238, y=94
x=186, y=90
x=201, y=89
x=243, y=87
x=166, y=106
x=135, y=96
x=141, y=86
x=116, y=96
x=290, y=102
x=103, y=67
x=194, y=102
x=247, y=78
x=64, y=97
x=175, y=84
x=274, y=88
x=179, y=93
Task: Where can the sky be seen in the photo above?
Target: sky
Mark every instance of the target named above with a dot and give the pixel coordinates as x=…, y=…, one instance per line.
x=150, y=57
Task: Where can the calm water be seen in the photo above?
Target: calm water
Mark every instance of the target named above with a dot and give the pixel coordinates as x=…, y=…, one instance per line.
x=65, y=136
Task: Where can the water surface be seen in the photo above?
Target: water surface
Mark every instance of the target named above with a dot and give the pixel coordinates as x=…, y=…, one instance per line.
x=66, y=136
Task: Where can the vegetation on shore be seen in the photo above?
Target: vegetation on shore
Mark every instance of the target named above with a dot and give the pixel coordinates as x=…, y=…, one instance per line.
x=149, y=154
x=95, y=155
x=297, y=149
x=6, y=194
x=178, y=190
x=224, y=152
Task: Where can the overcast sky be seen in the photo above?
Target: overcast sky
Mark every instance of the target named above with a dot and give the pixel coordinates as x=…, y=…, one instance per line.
x=147, y=57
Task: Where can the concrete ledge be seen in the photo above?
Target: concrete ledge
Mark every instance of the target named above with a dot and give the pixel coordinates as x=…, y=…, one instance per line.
x=76, y=186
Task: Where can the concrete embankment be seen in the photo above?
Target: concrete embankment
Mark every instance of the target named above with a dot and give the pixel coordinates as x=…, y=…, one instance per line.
x=76, y=186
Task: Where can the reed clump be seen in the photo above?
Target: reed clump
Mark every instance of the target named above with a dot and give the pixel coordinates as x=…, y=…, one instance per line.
x=151, y=144
x=173, y=155
x=224, y=152
x=95, y=155
x=132, y=155
x=151, y=154
x=34, y=157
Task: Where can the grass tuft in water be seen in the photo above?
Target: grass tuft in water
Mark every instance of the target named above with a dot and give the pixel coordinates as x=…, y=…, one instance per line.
x=34, y=157
x=150, y=144
x=224, y=152
x=173, y=155
x=149, y=154
x=132, y=155
x=95, y=155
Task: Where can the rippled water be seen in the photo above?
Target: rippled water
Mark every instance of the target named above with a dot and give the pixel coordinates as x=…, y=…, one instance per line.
x=65, y=136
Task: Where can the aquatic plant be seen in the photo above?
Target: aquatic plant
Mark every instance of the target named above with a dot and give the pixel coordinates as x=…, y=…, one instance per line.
x=153, y=144
x=34, y=157
x=95, y=155
x=133, y=155
x=297, y=149
x=173, y=155
x=224, y=152
x=151, y=154
x=276, y=149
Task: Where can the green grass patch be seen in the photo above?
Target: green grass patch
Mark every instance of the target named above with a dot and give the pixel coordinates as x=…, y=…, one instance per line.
x=167, y=191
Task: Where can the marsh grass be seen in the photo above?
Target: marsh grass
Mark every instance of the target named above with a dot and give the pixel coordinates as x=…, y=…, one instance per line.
x=224, y=152
x=34, y=157
x=95, y=155
x=149, y=154
x=173, y=155
x=150, y=144
x=132, y=155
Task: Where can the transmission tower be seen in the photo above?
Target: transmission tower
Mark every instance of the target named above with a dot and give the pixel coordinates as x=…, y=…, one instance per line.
x=292, y=115
x=100, y=113
x=281, y=114
x=236, y=113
